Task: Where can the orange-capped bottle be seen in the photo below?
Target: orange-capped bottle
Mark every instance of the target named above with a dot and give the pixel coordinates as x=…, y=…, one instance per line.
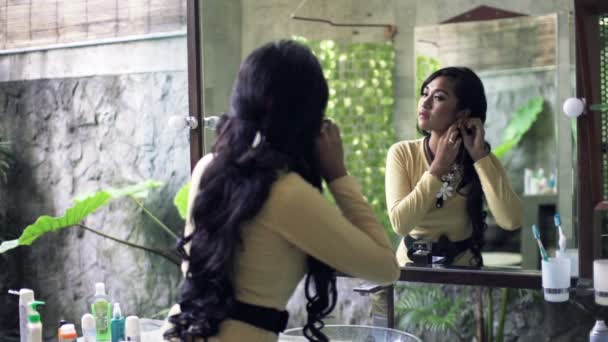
x=67, y=333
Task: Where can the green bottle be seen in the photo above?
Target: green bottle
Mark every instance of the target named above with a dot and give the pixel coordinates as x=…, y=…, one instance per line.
x=102, y=312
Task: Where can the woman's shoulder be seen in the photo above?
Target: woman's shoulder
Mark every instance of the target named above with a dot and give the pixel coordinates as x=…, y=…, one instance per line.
x=289, y=194
x=407, y=147
x=202, y=164
x=290, y=184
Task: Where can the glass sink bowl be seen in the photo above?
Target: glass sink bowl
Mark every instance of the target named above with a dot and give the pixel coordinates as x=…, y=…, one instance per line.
x=352, y=333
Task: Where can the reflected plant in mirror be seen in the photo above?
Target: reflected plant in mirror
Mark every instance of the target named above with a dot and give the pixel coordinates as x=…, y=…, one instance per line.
x=360, y=79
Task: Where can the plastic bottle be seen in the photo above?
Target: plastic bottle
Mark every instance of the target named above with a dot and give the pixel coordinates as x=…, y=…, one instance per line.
x=88, y=328
x=67, y=333
x=552, y=184
x=62, y=322
x=117, y=324
x=541, y=181
x=34, y=325
x=599, y=333
x=102, y=312
x=133, y=329
x=528, y=174
x=26, y=296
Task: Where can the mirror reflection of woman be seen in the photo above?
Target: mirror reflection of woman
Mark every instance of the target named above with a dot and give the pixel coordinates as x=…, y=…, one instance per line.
x=435, y=186
x=258, y=222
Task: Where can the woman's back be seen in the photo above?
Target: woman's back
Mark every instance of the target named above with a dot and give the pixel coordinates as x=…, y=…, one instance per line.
x=257, y=218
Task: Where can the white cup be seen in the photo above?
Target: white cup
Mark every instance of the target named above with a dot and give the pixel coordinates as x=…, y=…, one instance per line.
x=600, y=281
x=556, y=279
x=572, y=254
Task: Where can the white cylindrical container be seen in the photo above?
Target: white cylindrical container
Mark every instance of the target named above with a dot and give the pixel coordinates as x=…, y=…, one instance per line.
x=34, y=328
x=528, y=181
x=556, y=279
x=26, y=296
x=34, y=325
x=572, y=254
x=132, y=329
x=600, y=281
x=34, y=332
x=599, y=333
x=88, y=328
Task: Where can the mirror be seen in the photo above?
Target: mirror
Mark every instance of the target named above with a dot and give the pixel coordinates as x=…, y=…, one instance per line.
x=375, y=53
x=519, y=59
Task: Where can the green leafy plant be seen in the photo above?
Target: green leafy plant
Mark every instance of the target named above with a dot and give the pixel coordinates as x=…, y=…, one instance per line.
x=425, y=65
x=87, y=204
x=5, y=158
x=432, y=309
x=520, y=123
x=428, y=308
x=181, y=200
x=360, y=79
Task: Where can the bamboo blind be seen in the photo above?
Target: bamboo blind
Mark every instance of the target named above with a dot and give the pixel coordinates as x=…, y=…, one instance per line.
x=30, y=23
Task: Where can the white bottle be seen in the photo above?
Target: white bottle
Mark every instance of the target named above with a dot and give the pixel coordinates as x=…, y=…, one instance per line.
x=26, y=296
x=88, y=328
x=599, y=333
x=34, y=331
x=132, y=329
x=34, y=326
x=528, y=175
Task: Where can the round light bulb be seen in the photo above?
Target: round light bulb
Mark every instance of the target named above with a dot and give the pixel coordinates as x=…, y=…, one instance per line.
x=574, y=107
x=177, y=122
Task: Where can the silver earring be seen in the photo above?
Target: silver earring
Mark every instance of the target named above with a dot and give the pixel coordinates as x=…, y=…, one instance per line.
x=257, y=139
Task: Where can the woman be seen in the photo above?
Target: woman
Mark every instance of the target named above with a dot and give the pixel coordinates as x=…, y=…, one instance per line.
x=258, y=221
x=435, y=185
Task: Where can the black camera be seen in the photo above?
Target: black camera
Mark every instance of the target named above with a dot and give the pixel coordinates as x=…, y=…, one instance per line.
x=422, y=252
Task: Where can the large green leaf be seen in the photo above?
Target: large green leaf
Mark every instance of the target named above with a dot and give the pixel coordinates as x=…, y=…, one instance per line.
x=521, y=121
x=181, y=200
x=523, y=118
x=502, y=149
x=83, y=206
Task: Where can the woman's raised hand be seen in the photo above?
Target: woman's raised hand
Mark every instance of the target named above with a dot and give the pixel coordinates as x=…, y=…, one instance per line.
x=473, y=136
x=330, y=152
x=446, y=152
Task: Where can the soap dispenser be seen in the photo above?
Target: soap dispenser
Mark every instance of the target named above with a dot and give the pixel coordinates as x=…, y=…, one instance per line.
x=34, y=326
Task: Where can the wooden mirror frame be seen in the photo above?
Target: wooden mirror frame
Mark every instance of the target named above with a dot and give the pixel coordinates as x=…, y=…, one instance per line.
x=589, y=177
x=589, y=129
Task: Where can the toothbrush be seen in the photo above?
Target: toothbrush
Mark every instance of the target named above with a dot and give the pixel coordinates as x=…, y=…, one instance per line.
x=562, y=237
x=543, y=252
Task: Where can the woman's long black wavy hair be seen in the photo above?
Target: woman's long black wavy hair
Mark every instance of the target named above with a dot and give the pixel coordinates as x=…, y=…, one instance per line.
x=281, y=93
x=471, y=95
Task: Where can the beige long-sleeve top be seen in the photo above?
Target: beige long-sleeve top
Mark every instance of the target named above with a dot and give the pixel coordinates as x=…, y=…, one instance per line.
x=297, y=221
x=411, y=195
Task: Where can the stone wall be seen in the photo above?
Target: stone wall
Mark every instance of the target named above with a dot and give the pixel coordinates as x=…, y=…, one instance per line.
x=77, y=135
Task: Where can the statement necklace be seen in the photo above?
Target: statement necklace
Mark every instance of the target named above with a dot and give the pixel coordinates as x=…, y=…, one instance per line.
x=449, y=180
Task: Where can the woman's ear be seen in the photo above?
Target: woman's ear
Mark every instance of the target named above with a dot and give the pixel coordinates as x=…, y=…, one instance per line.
x=463, y=114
